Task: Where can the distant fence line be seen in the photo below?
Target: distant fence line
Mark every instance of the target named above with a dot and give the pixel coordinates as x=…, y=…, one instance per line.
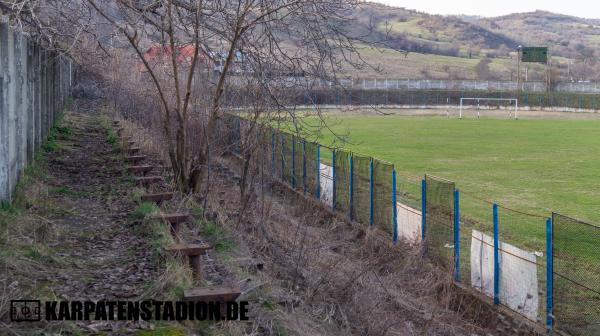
x=34, y=86
x=554, y=281
x=468, y=84
x=425, y=98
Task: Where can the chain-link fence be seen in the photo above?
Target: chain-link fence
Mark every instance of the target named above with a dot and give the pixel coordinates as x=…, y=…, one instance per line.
x=311, y=183
x=382, y=195
x=378, y=97
x=342, y=181
x=522, y=251
x=576, y=252
x=439, y=230
x=361, y=197
x=500, y=251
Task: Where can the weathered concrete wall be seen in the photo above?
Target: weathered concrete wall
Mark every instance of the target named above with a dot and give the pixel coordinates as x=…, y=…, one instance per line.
x=326, y=181
x=518, y=274
x=409, y=223
x=468, y=85
x=34, y=86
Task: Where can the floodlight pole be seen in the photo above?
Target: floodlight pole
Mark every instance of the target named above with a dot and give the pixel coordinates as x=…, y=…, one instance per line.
x=519, y=68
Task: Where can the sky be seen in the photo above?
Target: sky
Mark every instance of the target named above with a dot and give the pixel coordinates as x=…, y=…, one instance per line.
x=581, y=8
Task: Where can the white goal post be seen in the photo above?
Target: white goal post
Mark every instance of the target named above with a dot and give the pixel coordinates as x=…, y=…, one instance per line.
x=478, y=99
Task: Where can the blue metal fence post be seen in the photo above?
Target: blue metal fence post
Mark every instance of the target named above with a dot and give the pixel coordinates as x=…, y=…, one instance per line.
x=496, y=256
x=456, y=235
x=318, y=184
x=394, y=209
x=294, y=162
x=549, y=274
x=423, y=208
x=371, y=192
x=351, y=185
x=304, y=166
x=333, y=177
x=273, y=153
x=282, y=157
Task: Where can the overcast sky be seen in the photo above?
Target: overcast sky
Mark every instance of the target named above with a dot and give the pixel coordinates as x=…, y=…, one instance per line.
x=581, y=8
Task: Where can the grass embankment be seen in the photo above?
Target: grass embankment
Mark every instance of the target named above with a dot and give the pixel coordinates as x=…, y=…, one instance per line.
x=25, y=231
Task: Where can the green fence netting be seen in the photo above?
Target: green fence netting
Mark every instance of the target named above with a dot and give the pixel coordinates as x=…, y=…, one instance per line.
x=342, y=181
x=408, y=191
x=475, y=214
x=277, y=158
x=439, y=224
x=312, y=167
x=525, y=232
x=361, y=198
x=326, y=174
x=287, y=148
x=447, y=97
x=382, y=195
x=297, y=174
x=264, y=150
x=227, y=131
x=576, y=275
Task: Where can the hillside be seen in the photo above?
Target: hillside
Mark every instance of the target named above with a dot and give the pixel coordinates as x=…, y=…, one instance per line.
x=568, y=36
x=468, y=47
x=421, y=32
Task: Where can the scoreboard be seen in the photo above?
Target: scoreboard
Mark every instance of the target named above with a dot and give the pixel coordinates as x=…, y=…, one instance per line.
x=534, y=54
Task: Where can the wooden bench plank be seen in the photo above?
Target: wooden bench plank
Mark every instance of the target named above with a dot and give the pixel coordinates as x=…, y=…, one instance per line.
x=215, y=294
x=135, y=158
x=174, y=221
x=157, y=198
x=134, y=150
x=139, y=169
x=189, y=249
x=148, y=179
x=174, y=218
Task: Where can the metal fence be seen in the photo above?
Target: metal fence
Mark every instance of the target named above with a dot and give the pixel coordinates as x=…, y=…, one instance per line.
x=34, y=86
x=545, y=268
x=448, y=84
x=576, y=275
x=428, y=97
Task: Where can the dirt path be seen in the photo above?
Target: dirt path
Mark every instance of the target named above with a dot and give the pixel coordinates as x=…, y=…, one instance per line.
x=95, y=252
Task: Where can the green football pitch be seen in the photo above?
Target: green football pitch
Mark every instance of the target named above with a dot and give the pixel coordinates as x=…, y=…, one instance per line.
x=534, y=166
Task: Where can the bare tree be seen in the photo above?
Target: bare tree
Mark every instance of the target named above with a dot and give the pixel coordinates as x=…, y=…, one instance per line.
x=282, y=42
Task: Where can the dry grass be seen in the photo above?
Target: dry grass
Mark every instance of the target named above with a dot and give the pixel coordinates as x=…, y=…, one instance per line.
x=342, y=275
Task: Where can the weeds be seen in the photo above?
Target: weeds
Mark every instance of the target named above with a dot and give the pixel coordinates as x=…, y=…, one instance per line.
x=163, y=331
x=143, y=210
x=63, y=190
x=111, y=137
x=60, y=132
x=217, y=236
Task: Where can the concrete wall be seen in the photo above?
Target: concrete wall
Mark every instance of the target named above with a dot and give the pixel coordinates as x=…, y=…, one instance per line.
x=518, y=274
x=445, y=84
x=409, y=223
x=467, y=85
x=326, y=181
x=34, y=86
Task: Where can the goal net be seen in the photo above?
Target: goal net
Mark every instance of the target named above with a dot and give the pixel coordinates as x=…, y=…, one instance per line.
x=478, y=103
